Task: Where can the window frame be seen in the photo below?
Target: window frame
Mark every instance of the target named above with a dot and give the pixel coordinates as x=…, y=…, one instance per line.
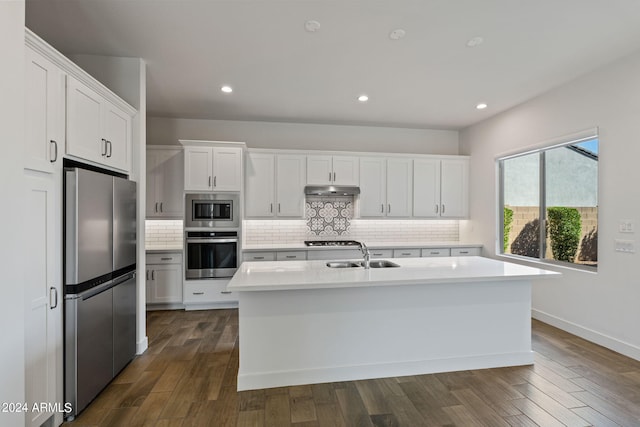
x=541, y=150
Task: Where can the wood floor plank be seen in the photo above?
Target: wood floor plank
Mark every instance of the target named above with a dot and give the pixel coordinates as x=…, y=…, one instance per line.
x=254, y=418
x=277, y=412
x=520, y=421
x=329, y=415
x=353, y=409
x=536, y=413
x=372, y=397
x=462, y=417
x=151, y=408
x=561, y=413
x=430, y=409
x=594, y=417
x=476, y=405
x=609, y=409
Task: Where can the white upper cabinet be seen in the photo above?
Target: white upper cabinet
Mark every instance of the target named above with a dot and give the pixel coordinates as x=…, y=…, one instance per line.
x=165, y=184
x=290, y=182
x=454, y=188
x=441, y=188
x=97, y=130
x=332, y=170
x=426, y=188
x=275, y=185
x=44, y=114
x=212, y=168
x=260, y=184
x=385, y=187
x=399, y=179
x=373, y=189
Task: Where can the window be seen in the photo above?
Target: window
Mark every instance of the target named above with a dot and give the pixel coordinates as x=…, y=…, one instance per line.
x=549, y=203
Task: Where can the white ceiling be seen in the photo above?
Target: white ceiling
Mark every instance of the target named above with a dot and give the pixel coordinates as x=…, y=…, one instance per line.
x=280, y=72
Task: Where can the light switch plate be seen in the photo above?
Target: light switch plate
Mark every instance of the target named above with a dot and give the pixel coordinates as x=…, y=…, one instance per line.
x=627, y=246
x=625, y=226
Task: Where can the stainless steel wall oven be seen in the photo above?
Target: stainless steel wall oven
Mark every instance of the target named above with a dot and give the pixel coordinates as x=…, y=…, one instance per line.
x=211, y=254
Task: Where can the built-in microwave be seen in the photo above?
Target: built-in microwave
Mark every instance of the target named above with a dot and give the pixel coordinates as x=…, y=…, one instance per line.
x=219, y=210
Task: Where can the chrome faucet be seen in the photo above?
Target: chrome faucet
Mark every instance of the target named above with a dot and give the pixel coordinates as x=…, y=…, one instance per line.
x=366, y=255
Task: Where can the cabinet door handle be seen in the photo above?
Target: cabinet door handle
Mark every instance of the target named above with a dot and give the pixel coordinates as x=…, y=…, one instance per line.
x=389, y=208
x=147, y=274
x=214, y=180
x=434, y=253
x=406, y=253
x=55, y=151
x=225, y=292
x=278, y=207
x=198, y=293
x=443, y=208
x=329, y=176
x=160, y=206
x=53, y=291
x=166, y=259
x=464, y=252
x=156, y=207
x=110, y=148
x=377, y=254
x=436, y=208
x=258, y=257
x=104, y=147
x=209, y=180
x=153, y=275
x=382, y=208
x=291, y=256
x=334, y=177
x=271, y=207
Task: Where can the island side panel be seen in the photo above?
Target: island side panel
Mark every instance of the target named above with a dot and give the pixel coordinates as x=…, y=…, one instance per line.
x=325, y=335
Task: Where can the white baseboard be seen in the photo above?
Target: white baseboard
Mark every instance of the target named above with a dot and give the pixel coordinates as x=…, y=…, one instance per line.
x=142, y=345
x=607, y=341
x=262, y=380
x=210, y=306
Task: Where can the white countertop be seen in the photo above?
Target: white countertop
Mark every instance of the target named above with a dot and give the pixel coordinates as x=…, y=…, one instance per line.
x=291, y=275
x=370, y=244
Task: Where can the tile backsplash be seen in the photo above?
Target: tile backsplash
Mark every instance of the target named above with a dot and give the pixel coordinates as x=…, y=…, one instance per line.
x=265, y=232
x=159, y=232
x=329, y=216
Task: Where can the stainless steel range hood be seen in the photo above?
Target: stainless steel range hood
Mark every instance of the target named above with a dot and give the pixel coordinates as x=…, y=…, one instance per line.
x=331, y=190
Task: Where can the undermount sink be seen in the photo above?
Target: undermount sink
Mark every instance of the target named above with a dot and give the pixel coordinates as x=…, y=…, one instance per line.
x=378, y=263
x=382, y=263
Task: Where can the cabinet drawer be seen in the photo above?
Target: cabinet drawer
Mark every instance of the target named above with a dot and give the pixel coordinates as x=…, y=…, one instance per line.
x=465, y=251
x=433, y=252
x=206, y=291
x=291, y=255
x=165, y=258
x=259, y=256
x=406, y=253
x=381, y=253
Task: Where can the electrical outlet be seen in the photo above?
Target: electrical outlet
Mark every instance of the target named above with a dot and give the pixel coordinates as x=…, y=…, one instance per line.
x=627, y=246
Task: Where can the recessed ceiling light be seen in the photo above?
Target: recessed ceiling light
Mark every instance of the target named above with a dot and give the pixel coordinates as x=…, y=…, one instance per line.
x=397, y=34
x=312, y=26
x=476, y=41
x=226, y=89
x=481, y=106
x=363, y=98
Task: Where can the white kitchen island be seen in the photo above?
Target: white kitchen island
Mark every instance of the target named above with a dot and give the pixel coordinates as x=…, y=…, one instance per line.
x=301, y=322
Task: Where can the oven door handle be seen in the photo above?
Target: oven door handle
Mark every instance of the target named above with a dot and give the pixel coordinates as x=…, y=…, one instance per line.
x=192, y=240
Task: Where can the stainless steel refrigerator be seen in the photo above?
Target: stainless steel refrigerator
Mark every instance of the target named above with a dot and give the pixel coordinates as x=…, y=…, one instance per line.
x=100, y=284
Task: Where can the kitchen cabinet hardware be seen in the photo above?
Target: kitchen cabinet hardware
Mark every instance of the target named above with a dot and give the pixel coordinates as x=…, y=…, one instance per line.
x=436, y=208
x=258, y=257
x=389, y=208
x=53, y=291
x=55, y=151
x=225, y=292
x=153, y=275
x=443, y=208
x=209, y=181
x=329, y=176
x=104, y=147
x=271, y=207
x=198, y=293
x=147, y=274
x=110, y=145
x=156, y=208
x=278, y=207
x=160, y=207
x=166, y=258
x=406, y=253
x=291, y=256
x=214, y=180
x=382, y=208
x=464, y=252
x=334, y=177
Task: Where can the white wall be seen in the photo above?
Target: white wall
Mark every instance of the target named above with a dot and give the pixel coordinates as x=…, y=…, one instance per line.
x=167, y=131
x=126, y=77
x=602, y=307
x=12, y=310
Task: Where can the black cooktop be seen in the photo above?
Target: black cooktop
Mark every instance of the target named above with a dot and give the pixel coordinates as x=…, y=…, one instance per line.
x=331, y=243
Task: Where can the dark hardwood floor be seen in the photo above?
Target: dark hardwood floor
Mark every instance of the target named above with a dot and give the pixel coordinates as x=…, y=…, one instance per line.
x=187, y=377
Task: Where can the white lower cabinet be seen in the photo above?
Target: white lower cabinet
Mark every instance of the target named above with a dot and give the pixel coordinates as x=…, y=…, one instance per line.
x=291, y=255
x=206, y=294
x=474, y=251
x=259, y=256
x=164, y=280
x=436, y=252
x=406, y=253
